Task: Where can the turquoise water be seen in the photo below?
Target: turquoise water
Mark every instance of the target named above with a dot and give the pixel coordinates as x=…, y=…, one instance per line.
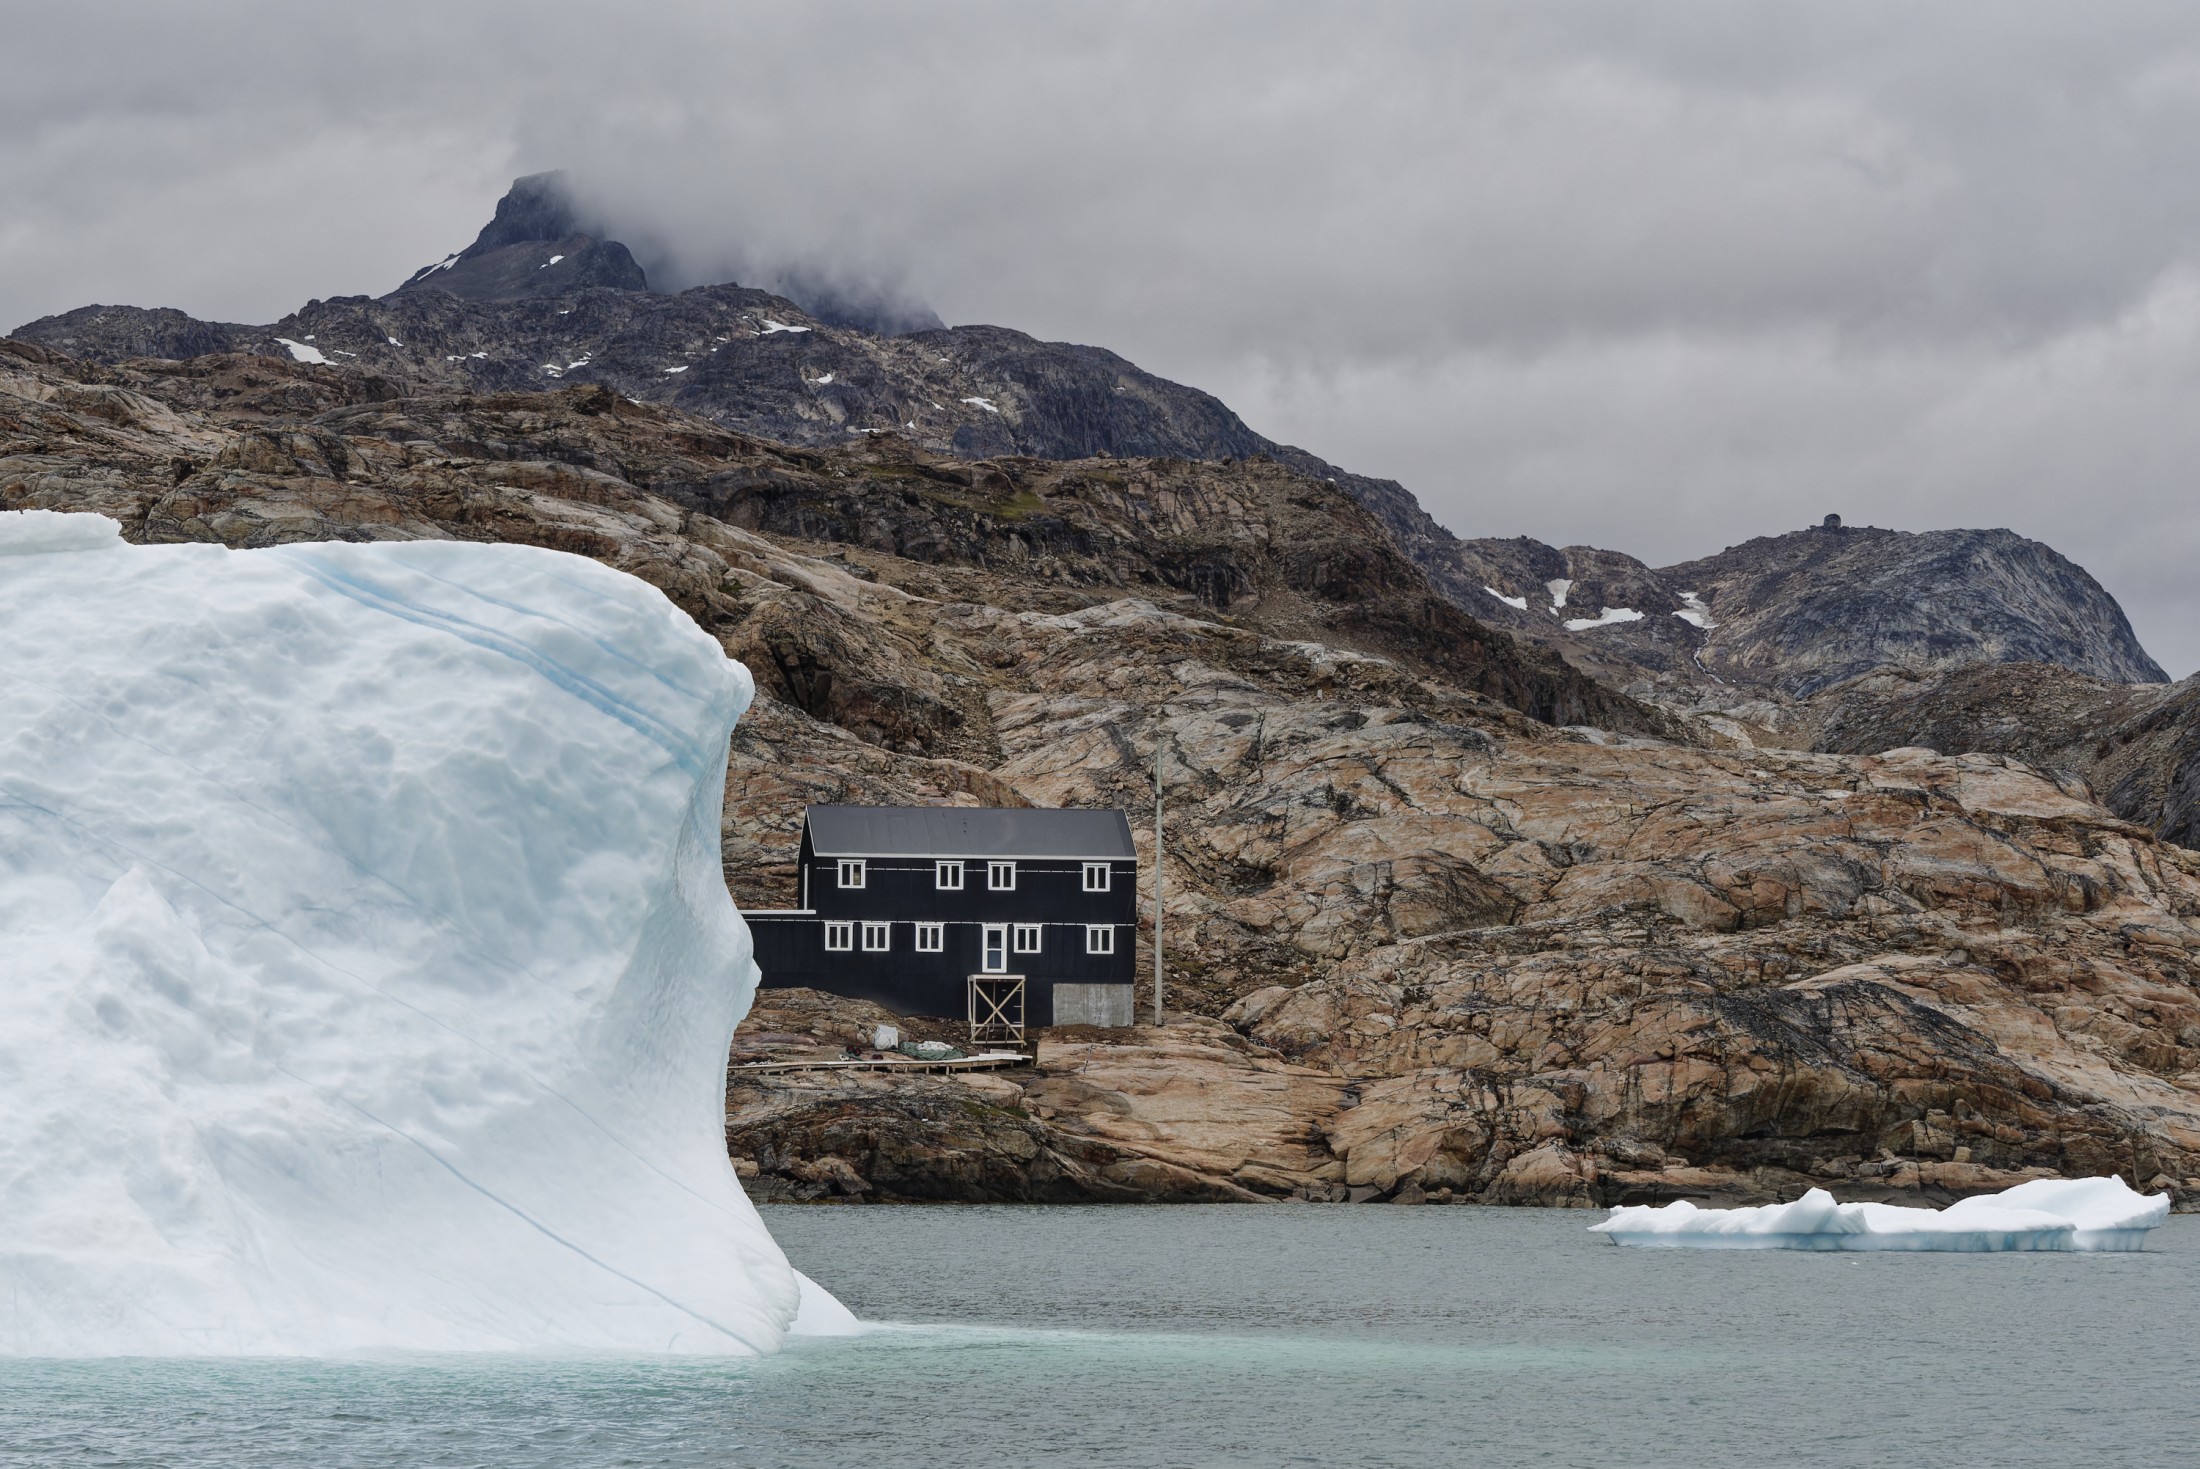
x=1322, y=1335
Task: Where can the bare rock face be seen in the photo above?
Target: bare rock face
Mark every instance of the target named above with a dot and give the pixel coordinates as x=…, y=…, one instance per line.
x=1811, y=608
x=1432, y=945
x=2137, y=746
x=544, y=299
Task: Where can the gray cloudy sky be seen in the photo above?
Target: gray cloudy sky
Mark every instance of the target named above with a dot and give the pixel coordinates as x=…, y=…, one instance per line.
x=1657, y=277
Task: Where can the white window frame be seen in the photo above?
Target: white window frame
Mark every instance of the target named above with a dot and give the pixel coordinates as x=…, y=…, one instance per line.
x=992, y=934
x=931, y=938
x=1098, y=876
x=1027, y=937
x=1000, y=877
x=1099, y=938
x=840, y=936
x=883, y=933
x=852, y=867
x=947, y=877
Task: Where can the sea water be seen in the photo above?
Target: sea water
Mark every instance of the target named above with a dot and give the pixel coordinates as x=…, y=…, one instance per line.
x=1319, y=1335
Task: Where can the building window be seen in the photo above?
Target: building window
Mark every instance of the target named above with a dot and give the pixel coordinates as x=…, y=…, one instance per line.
x=840, y=937
x=947, y=876
x=876, y=938
x=1027, y=938
x=1096, y=877
x=1099, y=938
x=996, y=948
x=1001, y=876
x=931, y=937
x=851, y=872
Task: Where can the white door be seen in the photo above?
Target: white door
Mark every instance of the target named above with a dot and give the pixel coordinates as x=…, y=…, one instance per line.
x=996, y=949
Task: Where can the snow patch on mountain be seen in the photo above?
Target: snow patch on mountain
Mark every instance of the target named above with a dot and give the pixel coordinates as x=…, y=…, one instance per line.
x=1609, y=617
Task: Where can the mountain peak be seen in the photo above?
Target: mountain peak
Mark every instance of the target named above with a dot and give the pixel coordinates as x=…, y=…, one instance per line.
x=537, y=244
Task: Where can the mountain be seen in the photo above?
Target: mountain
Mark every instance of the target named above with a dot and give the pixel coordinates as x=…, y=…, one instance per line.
x=537, y=245
x=1792, y=614
x=1430, y=947
x=544, y=297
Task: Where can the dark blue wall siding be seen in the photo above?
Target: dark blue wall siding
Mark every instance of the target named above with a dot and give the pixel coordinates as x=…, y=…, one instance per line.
x=901, y=892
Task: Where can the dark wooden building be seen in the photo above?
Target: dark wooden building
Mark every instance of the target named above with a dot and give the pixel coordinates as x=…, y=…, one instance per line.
x=1011, y=917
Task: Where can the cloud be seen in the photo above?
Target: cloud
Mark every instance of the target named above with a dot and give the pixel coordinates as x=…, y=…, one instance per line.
x=1649, y=278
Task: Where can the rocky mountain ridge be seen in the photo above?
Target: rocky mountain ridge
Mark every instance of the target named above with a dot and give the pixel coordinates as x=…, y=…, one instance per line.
x=543, y=299
x=1429, y=946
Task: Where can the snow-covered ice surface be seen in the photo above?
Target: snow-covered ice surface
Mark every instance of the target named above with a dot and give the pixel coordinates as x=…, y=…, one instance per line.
x=1558, y=587
x=1606, y=618
x=300, y=352
x=1695, y=614
x=984, y=403
x=366, y=970
x=1520, y=603
x=2045, y=1214
x=771, y=326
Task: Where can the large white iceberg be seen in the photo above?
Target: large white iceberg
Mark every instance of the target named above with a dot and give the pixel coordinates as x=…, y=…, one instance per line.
x=366, y=970
x=2045, y=1214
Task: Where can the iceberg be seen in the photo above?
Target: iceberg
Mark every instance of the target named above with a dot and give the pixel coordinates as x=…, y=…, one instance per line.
x=366, y=967
x=2045, y=1214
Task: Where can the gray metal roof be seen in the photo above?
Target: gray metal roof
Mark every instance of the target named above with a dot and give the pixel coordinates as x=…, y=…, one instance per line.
x=968, y=831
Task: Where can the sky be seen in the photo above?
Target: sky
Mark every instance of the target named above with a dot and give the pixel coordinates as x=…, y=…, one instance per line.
x=1657, y=278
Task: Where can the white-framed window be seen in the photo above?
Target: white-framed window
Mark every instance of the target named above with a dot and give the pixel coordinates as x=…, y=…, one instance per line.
x=931, y=938
x=947, y=877
x=851, y=872
x=1027, y=938
x=1099, y=938
x=995, y=951
x=1096, y=877
x=1001, y=876
x=877, y=937
x=840, y=937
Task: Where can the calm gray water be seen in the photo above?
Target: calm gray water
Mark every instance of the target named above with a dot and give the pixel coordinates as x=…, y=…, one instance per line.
x=1246, y=1336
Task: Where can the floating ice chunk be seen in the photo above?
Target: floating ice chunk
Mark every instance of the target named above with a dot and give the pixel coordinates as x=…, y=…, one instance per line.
x=399, y=1021
x=300, y=352
x=1558, y=587
x=771, y=326
x=1695, y=614
x=2045, y=1214
x=985, y=403
x=1607, y=618
x=1517, y=603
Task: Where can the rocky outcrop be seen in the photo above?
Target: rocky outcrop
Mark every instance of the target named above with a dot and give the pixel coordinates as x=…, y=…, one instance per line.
x=2138, y=747
x=1812, y=608
x=1191, y=1113
x=1427, y=942
x=544, y=298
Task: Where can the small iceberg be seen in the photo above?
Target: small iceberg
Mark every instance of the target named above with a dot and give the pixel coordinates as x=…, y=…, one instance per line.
x=2045, y=1214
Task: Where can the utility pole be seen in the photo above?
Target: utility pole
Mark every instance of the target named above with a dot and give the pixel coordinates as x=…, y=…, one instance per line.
x=1157, y=852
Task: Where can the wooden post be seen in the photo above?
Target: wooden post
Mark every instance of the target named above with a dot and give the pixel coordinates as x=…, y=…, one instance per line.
x=1157, y=852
